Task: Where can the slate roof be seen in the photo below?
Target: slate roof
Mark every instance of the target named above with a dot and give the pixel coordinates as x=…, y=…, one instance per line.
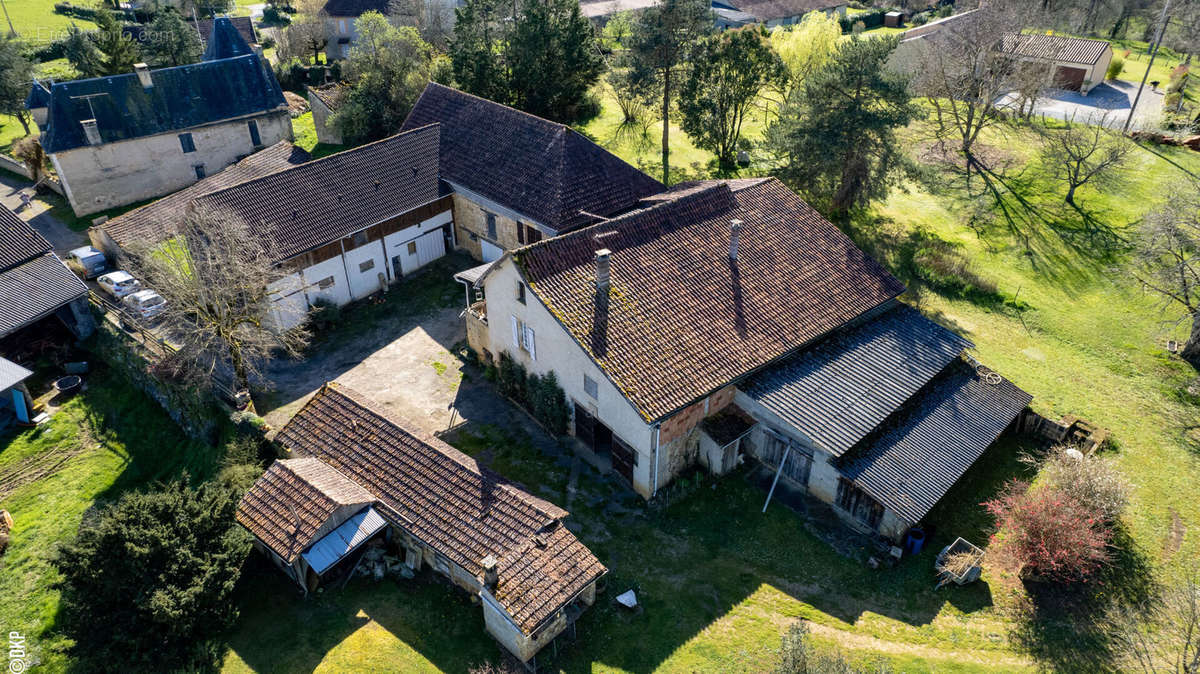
x=1055, y=47
x=325, y=199
x=35, y=289
x=155, y=221
x=769, y=10
x=244, y=26
x=680, y=320
x=288, y=507
x=225, y=40
x=448, y=501
x=538, y=168
x=355, y=7
x=18, y=241
x=838, y=391
x=910, y=464
x=182, y=97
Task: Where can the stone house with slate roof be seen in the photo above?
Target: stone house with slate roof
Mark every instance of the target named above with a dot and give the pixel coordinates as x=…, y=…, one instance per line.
x=361, y=474
x=723, y=320
x=127, y=138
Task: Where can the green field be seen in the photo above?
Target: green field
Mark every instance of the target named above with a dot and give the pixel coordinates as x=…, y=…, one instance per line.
x=36, y=21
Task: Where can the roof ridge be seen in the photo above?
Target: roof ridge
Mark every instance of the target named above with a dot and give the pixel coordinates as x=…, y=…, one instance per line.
x=496, y=103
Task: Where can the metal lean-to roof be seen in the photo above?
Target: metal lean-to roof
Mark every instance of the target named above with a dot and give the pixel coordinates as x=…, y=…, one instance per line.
x=911, y=464
x=343, y=540
x=35, y=289
x=11, y=374
x=840, y=390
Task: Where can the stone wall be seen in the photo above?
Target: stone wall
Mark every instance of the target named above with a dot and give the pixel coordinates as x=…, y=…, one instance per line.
x=99, y=177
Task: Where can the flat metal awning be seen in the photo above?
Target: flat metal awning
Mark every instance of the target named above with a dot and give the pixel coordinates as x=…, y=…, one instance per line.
x=12, y=374
x=343, y=540
x=471, y=276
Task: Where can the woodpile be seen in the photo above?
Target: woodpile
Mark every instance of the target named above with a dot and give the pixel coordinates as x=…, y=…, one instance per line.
x=1191, y=142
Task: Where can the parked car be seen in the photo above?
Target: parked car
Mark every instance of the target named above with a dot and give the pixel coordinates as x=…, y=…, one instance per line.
x=145, y=303
x=118, y=283
x=91, y=261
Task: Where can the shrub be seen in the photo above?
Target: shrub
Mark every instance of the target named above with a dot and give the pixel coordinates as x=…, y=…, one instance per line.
x=1048, y=533
x=1091, y=481
x=157, y=570
x=324, y=315
x=798, y=655
x=512, y=379
x=541, y=395
x=273, y=16
x=1115, y=67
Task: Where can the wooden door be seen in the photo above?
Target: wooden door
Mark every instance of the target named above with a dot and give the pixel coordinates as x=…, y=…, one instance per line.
x=1069, y=78
x=585, y=426
x=623, y=459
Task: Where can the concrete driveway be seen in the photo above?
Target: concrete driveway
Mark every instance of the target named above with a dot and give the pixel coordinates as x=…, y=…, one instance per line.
x=38, y=214
x=1109, y=101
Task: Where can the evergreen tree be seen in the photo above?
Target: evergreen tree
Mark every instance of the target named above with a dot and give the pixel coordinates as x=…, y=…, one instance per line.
x=118, y=51
x=172, y=41
x=150, y=584
x=81, y=52
x=662, y=38
x=729, y=69
x=543, y=61
x=836, y=136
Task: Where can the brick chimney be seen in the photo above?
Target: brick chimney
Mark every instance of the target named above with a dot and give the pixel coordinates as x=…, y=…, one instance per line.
x=603, y=282
x=735, y=231
x=143, y=73
x=490, y=575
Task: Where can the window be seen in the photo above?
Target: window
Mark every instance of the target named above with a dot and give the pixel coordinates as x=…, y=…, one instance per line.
x=342, y=26
x=186, y=142
x=255, y=138
x=365, y=267
x=532, y=234
x=520, y=292
x=856, y=502
x=359, y=239
x=520, y=233
x=199, y=171
x=590, y=387
x=325, y=283
x=491, y=224
x=412, y=247
x=523, y=338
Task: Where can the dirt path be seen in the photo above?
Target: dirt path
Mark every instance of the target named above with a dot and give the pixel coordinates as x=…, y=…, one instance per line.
x=861, y=642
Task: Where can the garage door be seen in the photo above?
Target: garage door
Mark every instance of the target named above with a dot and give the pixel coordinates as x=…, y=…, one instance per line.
x=491, y=252
x=430, y=247
x=1069, y=78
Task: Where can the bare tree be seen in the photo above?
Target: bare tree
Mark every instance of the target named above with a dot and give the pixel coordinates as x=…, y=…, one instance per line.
x=215, y=276
x=965, y=73
x=1167, y=258
x=1165, y=636
x=1081, y=154
x=433, y=19
x=309, y=31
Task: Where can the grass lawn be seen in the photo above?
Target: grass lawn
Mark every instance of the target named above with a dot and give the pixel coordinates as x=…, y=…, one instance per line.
x=11, y=131
x=37, y=23
x=305, y=133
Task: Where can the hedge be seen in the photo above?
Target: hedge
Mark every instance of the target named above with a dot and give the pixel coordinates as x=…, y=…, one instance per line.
x=540, y=395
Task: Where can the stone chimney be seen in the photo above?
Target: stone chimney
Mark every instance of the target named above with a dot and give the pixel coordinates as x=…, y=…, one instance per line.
x=602, y=260
x=735, y=231
x=143, y=73
x=490, y=575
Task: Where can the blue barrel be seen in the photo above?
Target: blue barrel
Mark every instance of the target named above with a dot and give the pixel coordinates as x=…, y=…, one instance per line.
x=916, y=540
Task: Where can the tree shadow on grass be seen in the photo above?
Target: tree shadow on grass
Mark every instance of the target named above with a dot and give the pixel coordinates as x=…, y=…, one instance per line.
x=1066, y=628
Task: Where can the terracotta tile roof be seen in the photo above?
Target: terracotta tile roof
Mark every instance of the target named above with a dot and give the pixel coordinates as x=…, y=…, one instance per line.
x=451, y=503
x=538, y=168
x=769, y=10
x=332, y=94
x=304, y=491
x=155, y=221
x=681, y=320
x=325, y=199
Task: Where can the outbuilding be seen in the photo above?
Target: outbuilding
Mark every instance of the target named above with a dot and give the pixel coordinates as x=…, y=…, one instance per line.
x=1073, y=63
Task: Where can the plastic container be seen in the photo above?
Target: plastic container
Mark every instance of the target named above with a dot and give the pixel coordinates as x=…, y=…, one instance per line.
x=916, y=540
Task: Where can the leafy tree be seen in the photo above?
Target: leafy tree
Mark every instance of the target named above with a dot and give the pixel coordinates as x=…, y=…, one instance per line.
x=388, y=68
x=118, y=51
x=157, y=570
x=1167, y=258
x=214, y=276
x=81, y=52
x=729, y=69
x=30, y=151
x=538, y=55
x=172, y=41
x=836, y=135
x=16, y=75
x=617, y=30
x=663, y=37
x=308, y=32
x=806, y=46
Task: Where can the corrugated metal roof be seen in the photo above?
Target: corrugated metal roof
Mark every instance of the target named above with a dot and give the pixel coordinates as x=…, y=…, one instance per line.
x=909, y=466
x=18, y=241
x=472, y=275
x=1055, y=47
x=12, y=374
x=343, y=540
x=34, y=289
x=839, y=391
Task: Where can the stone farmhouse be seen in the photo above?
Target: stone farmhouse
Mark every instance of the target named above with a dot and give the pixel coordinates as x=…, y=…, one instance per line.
x=360, y=475
x=127, y=138
x=35, y=284
x=463, y=175
x=727, y=319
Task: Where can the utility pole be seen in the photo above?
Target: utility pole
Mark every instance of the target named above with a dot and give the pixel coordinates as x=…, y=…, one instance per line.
x=1162, y=27
x=12, y=32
